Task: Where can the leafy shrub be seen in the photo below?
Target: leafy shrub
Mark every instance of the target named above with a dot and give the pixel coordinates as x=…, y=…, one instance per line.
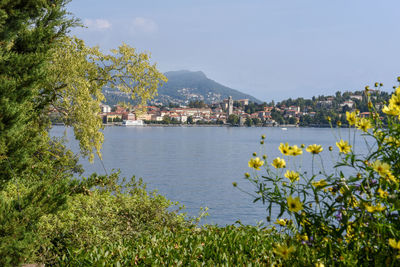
x=210, y=245
x=347, y=216
x=114, y=211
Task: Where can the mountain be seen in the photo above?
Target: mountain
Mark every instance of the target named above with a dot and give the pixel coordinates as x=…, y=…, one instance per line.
x=184, y=86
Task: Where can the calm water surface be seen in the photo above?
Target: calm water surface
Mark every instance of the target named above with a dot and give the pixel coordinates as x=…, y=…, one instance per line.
x=197, y=165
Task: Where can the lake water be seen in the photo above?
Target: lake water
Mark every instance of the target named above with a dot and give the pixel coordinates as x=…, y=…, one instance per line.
x=197, y=165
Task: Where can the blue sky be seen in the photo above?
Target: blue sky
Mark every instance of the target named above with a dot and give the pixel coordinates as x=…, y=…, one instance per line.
x=270, y=49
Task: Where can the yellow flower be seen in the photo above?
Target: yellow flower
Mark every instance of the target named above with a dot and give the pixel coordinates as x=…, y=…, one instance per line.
x=279, y=163
x=295, y=151
x=394, y=244
x=364, y=124
x=372, y=209
x=256, y=163
x=382, y=194
x=320, y=183
x=295, y=204
x=284, y=148
x=390, y=177
x=381, y=167
x=284, y=251
x=392, y=141
x=395, y=100
x=281, y=222
x=343, y=146
x=351, y=118
x=391, y=110
x=379, y=207
x=292, y=175
x=314, y=149
x=304, y=237
x=319, y=264
x=353, y=202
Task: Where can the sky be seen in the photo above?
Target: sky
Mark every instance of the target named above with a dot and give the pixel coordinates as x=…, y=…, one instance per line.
x=270, y=49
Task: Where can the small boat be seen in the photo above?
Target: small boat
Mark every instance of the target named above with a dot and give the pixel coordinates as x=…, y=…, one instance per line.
x=132, y=123
x=284, y=129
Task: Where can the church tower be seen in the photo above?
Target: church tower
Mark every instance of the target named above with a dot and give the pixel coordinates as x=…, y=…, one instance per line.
x=230, y=105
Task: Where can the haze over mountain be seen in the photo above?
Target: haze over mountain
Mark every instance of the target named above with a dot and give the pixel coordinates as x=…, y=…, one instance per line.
x=184, y=86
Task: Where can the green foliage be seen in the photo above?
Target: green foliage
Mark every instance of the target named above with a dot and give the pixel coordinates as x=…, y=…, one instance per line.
x=78, y=73
x=210, y=245
x=114, y=211
x=42, y=70
x=248, y=122
x=346, y=216
x=197, y=104
x=233, y=119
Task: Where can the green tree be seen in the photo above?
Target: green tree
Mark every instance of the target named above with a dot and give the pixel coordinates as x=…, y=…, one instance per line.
x=248, y=122
x=166, y=120
x=43, y=70
x=233, y=119
x=292, y=120
x=29, y=31
x=256, y=121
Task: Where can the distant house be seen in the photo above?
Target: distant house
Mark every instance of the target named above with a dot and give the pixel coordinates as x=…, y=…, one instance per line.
x=349, y=103
x=128, y=116
x=244, y=102
x=324, y=103
x=105, y=108
x=364, y=114
x=112, y=116
x=358, y=97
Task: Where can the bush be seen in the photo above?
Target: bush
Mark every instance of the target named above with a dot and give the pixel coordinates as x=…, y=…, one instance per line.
x=348, y=216
x=210, y=245
x=112, y=212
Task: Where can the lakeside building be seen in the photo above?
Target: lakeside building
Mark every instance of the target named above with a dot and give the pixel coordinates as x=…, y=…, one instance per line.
x=220, y=112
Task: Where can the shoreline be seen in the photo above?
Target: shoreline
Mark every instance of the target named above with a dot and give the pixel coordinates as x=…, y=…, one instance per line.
x=213, y=125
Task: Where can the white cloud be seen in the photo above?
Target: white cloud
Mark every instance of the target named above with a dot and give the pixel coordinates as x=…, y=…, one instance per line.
x=141, y=24
x=97, y=24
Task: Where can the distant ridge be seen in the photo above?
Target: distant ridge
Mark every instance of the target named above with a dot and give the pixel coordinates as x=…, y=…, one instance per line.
x=184, y=86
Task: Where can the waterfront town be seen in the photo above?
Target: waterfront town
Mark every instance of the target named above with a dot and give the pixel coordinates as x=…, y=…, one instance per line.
x=298, y=112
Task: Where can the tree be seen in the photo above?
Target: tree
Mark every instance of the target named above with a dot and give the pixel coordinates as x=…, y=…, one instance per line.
x=76, y=78
x=233, y=119
x=256, y=121
x=41, y=69
x=29, y=30
x=166, y=120
x=197, y=104
x=190, y=120
x=292, y=120
x=248, y=122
